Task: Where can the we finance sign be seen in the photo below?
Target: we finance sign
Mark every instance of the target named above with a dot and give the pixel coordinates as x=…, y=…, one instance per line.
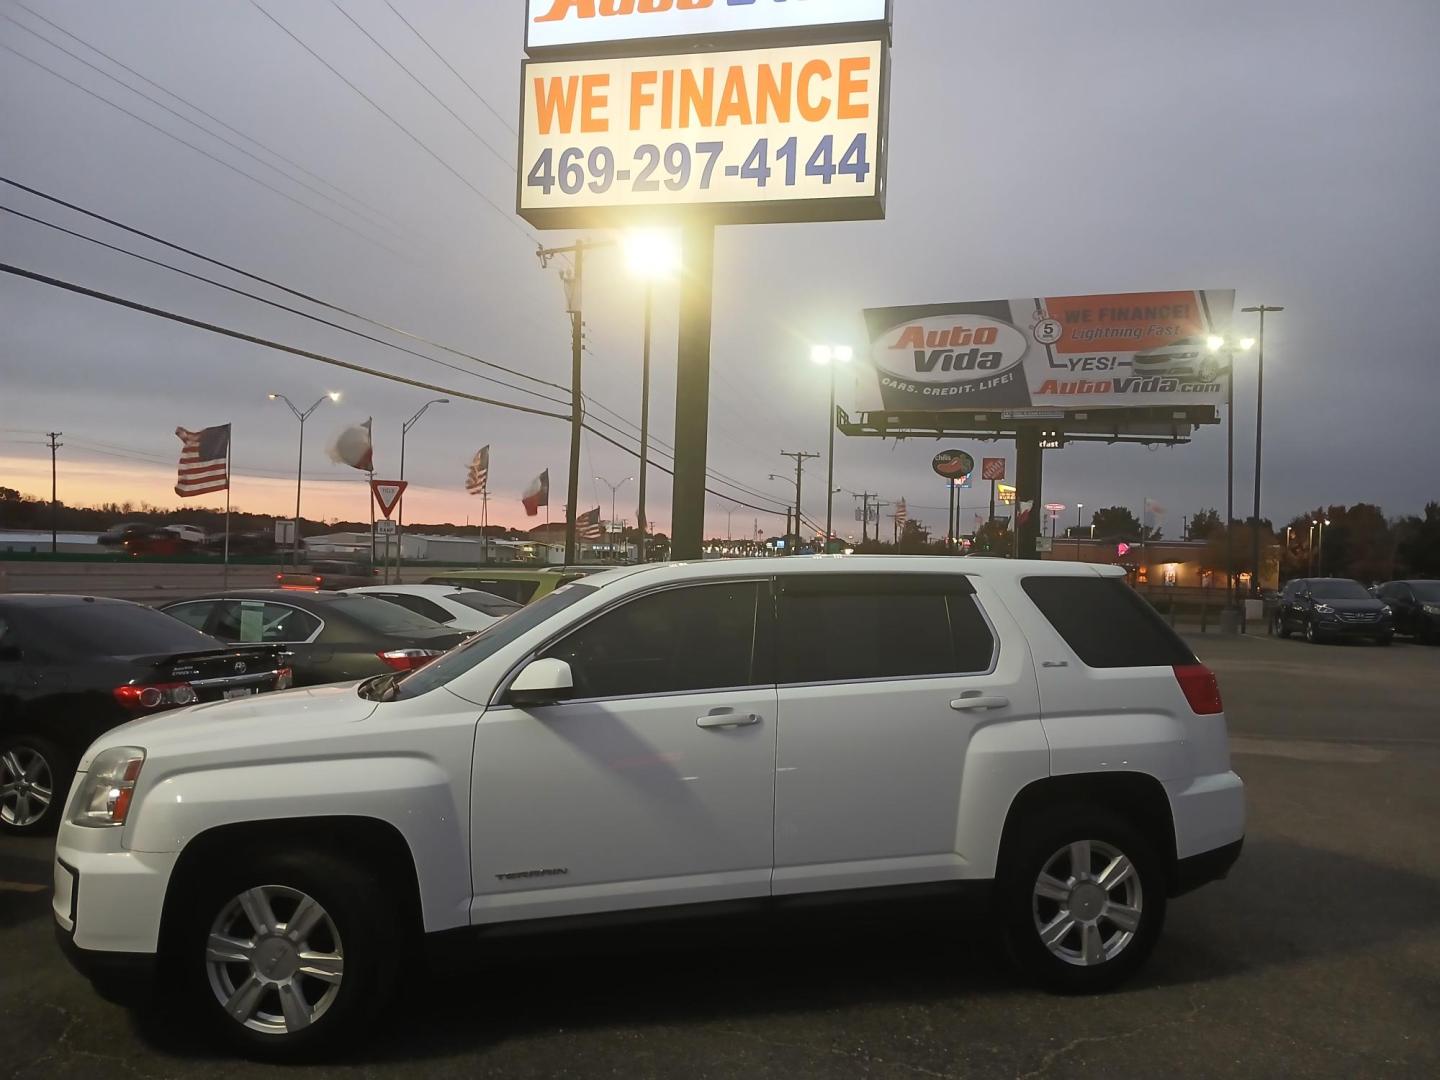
x=760, y=135
x=589, y=25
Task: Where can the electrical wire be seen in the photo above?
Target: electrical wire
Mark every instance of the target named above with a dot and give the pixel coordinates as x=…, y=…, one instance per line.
x=282, y=307
x=478, y=96
x=509, y=165
x=282, y=288
x=509, y=220
x=200, y=127
x=200, y=150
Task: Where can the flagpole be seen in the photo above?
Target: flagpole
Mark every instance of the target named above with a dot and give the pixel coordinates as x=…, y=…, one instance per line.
x=225, y=573
x=485, y=524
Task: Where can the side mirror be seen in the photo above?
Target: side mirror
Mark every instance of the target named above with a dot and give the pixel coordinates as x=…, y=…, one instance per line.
x=542, y=682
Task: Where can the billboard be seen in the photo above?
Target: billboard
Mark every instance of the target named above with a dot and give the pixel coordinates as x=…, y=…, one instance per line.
x=576, y=25
x=1048, y=354
x=781, y=134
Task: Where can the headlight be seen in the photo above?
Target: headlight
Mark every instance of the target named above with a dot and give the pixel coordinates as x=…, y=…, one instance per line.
x=1430, y=609
x=1324, y=609
x=1387, y=610
x=106, y=790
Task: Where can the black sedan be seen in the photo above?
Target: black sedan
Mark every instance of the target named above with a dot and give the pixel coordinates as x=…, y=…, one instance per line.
x=1327, y=609
x=72, y=667
x=1417, y=608
x=331, y=637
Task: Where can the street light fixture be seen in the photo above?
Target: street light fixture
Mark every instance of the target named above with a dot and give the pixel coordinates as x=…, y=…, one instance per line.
x=832, y=357
x=1230, y=621
x=613, y=489
x=333, y=396
x=400, y=512
x=652, y=255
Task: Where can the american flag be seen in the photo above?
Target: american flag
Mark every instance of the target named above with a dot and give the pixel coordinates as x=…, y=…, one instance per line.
x=478, y=478
x=902, y=514
x=204, y=461
x=588, y=527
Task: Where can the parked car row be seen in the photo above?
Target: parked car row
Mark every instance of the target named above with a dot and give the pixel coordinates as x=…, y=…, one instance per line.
x=657, y=737
x=1334, y=609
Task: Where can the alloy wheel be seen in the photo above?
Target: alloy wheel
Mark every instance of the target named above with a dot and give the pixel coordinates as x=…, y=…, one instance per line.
x=27, y=786
x=1087, y=903
x=274, y=960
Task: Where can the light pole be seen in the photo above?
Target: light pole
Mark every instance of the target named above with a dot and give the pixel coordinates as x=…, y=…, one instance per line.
x=1320, y=555
x=1078, y=508
x=651, y=255
x=300, y=460
x=613, y=489
x=831, y=356
x=1261, y=310
x=399, y=525
x=1230, y=619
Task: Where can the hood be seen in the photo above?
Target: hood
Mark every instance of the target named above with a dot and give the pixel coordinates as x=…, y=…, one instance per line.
x=261, y=720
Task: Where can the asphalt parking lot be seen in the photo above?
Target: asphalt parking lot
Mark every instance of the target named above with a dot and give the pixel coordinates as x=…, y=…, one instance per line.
x=1320, y=956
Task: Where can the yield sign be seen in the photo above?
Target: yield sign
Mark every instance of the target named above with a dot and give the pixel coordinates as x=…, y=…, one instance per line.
x=387, y=494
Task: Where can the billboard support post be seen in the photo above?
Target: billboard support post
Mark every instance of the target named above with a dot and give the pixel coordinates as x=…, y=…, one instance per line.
x=951, y=537
x=692, y=390
x=1029, y=469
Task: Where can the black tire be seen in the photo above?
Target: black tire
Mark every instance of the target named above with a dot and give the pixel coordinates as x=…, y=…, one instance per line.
x=56, y=766
x=362, y=915
x=1311, y=634
x=1032, y=848
x=1278, y=627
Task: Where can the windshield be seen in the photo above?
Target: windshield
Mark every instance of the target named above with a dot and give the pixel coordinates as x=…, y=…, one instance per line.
x=487, y=643
x=120, y=630
x=1338, y=589
x=1429, y=591
x=380, y=615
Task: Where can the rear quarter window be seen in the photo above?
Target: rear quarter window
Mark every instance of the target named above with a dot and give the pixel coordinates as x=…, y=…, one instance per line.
x=1107, y=623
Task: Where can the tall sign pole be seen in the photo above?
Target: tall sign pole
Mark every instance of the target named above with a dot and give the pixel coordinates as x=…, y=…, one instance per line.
x=692, y=391
x=1261, y=309
x=577, y=349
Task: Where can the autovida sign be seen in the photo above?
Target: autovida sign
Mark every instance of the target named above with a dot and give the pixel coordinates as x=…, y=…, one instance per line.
x=1061, y=352
x=576, y=25
x=676, y=118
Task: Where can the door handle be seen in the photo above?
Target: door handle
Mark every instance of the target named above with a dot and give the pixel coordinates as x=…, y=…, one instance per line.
x=1054, y=663
x=980, y=702
x=727, y=719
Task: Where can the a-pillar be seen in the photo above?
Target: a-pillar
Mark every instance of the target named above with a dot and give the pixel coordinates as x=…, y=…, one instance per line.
x=1029, y=471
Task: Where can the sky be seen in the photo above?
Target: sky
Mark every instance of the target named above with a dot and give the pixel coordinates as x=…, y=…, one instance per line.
x=1285, y=149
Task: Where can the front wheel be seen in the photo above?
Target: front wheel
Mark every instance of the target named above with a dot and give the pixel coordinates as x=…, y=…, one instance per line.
x=288, y=954
x=1082, y=899
x=1278, y=627
x=35, y=775
x=1311, y=635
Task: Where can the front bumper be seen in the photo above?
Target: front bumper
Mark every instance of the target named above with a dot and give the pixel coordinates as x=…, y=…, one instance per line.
x=107, y=906
x=1339, y=628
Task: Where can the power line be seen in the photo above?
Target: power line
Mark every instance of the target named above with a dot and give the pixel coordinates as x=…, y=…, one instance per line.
x=119, y=301
x=280, y=306
x=200, y=150
x=182, y=117
x=276, y=285
x=509, y=165
x=266, y=343
x=478, y=96
x=509, y=220
x=208, y=115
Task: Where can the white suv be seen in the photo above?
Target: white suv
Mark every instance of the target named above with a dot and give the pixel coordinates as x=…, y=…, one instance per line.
x=750, y=731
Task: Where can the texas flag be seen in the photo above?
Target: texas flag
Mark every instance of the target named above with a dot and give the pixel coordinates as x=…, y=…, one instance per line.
x=537, y=494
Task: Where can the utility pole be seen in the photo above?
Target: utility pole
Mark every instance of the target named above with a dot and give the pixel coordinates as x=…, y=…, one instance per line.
x=642, y=520
x=865, y=497
x=54, y=501
x=574, y=280
x=800, y=457
x=1260, y=309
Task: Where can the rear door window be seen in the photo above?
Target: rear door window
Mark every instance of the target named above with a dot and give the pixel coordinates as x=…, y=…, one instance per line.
x=196, y=614
x=255, y=622
x=848, y=628
x=1107, y=623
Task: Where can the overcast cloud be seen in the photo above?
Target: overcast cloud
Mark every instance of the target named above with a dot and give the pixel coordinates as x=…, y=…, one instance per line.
x=1286, y=149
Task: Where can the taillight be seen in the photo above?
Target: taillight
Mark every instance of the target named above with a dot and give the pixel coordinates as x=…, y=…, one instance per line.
x=156, y=695
x=1200, y=688
x=408, y=659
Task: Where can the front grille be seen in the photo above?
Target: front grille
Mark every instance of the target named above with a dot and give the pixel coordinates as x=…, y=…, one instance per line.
x=1360, y=616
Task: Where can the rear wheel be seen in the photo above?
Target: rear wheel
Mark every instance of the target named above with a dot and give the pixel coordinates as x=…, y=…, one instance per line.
x=35, y=776
x=1082, y=896
x=287, y=954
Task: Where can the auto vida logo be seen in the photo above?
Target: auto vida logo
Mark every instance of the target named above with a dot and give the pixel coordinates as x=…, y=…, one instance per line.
x=560, y=10
x=950, y=354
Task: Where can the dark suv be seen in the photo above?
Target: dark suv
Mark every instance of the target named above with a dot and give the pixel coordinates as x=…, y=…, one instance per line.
x=1332, y=608
x=1417, y=608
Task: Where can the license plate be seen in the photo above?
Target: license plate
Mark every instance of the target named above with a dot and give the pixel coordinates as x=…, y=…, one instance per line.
x=244, y=692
